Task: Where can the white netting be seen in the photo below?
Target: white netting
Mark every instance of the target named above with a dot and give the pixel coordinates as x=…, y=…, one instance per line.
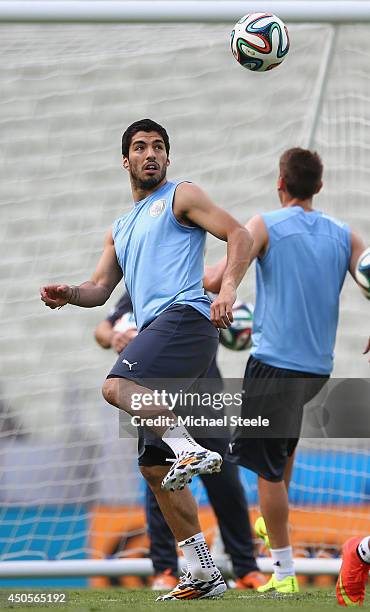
x=67, y=93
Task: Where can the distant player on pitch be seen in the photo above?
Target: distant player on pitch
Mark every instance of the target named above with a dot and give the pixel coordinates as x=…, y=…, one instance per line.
x=302, y=257
x=159, y=247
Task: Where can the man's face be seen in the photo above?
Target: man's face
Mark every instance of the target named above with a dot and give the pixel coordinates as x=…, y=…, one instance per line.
x=147, y=161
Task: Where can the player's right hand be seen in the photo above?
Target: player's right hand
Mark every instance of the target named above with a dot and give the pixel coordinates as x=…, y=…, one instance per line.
x=55, y=296
x=222, y=308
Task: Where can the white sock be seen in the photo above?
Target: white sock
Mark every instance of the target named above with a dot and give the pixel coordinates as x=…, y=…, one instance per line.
x=363, y=549
x=282, y=559
x=179, y=440
x=198, y=558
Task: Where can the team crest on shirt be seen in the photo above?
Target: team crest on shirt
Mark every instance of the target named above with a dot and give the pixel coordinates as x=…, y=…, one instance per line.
x=157, y=208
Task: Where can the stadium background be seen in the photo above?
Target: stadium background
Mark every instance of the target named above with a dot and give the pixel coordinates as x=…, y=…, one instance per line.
x=67, y=93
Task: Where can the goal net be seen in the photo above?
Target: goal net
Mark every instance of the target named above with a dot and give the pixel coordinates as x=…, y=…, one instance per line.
x=69, y=487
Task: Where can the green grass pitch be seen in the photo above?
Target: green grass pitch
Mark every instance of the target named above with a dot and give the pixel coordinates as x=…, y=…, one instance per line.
x=107, y=600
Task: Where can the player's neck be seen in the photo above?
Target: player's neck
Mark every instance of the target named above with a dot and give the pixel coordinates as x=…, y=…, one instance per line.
x=305, y=204
x=139, y=193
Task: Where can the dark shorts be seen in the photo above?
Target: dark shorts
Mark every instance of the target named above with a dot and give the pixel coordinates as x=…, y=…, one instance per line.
x=279, y=395
x=177, y=348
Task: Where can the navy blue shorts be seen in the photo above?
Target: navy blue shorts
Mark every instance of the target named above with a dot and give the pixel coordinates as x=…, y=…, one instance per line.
x=279, y=395
x=179, y=344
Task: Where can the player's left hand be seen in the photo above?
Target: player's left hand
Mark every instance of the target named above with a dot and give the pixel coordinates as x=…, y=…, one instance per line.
x=222, y=308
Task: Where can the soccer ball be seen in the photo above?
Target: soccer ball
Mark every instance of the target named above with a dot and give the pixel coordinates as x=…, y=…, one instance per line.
x=362, y=272
x=238, y=336
x=260, y=41
x=126, y=322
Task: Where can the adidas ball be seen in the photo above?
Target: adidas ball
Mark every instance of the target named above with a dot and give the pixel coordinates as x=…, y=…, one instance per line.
x=362, y=272
x=260, y=41
x=238, y=336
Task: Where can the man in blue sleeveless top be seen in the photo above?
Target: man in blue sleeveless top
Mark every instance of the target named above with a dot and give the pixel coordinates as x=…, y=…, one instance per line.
x=224, y=489
x=302, y=257
x=159, y=248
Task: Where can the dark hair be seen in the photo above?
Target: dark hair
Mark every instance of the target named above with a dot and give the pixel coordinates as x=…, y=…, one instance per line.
x=302, y=171
x=144, y=125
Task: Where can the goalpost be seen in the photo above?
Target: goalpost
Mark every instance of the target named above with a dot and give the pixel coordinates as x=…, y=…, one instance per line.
x=161, y=11
x=73, y=76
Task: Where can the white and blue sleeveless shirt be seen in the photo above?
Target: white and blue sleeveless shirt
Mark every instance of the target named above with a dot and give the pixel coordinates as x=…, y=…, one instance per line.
x=162, y=260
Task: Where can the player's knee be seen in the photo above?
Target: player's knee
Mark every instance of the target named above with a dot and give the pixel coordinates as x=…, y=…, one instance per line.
x=153, y=474
x=109, y=391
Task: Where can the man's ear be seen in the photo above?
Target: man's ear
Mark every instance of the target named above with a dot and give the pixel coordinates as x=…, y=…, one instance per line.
x=281, y=185
x=125, y=163
x=319, y=187
x=168, y=161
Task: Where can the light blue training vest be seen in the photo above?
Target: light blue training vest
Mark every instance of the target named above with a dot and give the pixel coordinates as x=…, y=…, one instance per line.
x=162, y=260
x=299, y=281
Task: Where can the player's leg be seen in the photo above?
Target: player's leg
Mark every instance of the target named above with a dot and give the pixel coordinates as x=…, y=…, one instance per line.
x=299, y=388
x=180, y=512
x=179, y=508
x=274, y=506
x=126, y=394
x=163, y=352
x=196, y=342
x=202, y=579
x=274, y=495
x=288, y=470
x=191, y=458
x=267, y=457
x=226, y=495
x=354, y=572
x=162, y=550
x=260, y=525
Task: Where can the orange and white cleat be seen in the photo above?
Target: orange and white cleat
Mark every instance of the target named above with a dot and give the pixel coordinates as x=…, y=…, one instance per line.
x=192, y=588
x=189, y=464
x=251, y=581
x=351, y=583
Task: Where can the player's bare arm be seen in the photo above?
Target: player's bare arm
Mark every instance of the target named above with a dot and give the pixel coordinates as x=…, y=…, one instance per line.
x=357, y=248
x=359, y=264
x=193, y=205
x=94, y=292
x=257, y=229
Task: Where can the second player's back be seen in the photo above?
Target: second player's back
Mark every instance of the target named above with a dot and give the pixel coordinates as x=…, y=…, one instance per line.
x=299, y=280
